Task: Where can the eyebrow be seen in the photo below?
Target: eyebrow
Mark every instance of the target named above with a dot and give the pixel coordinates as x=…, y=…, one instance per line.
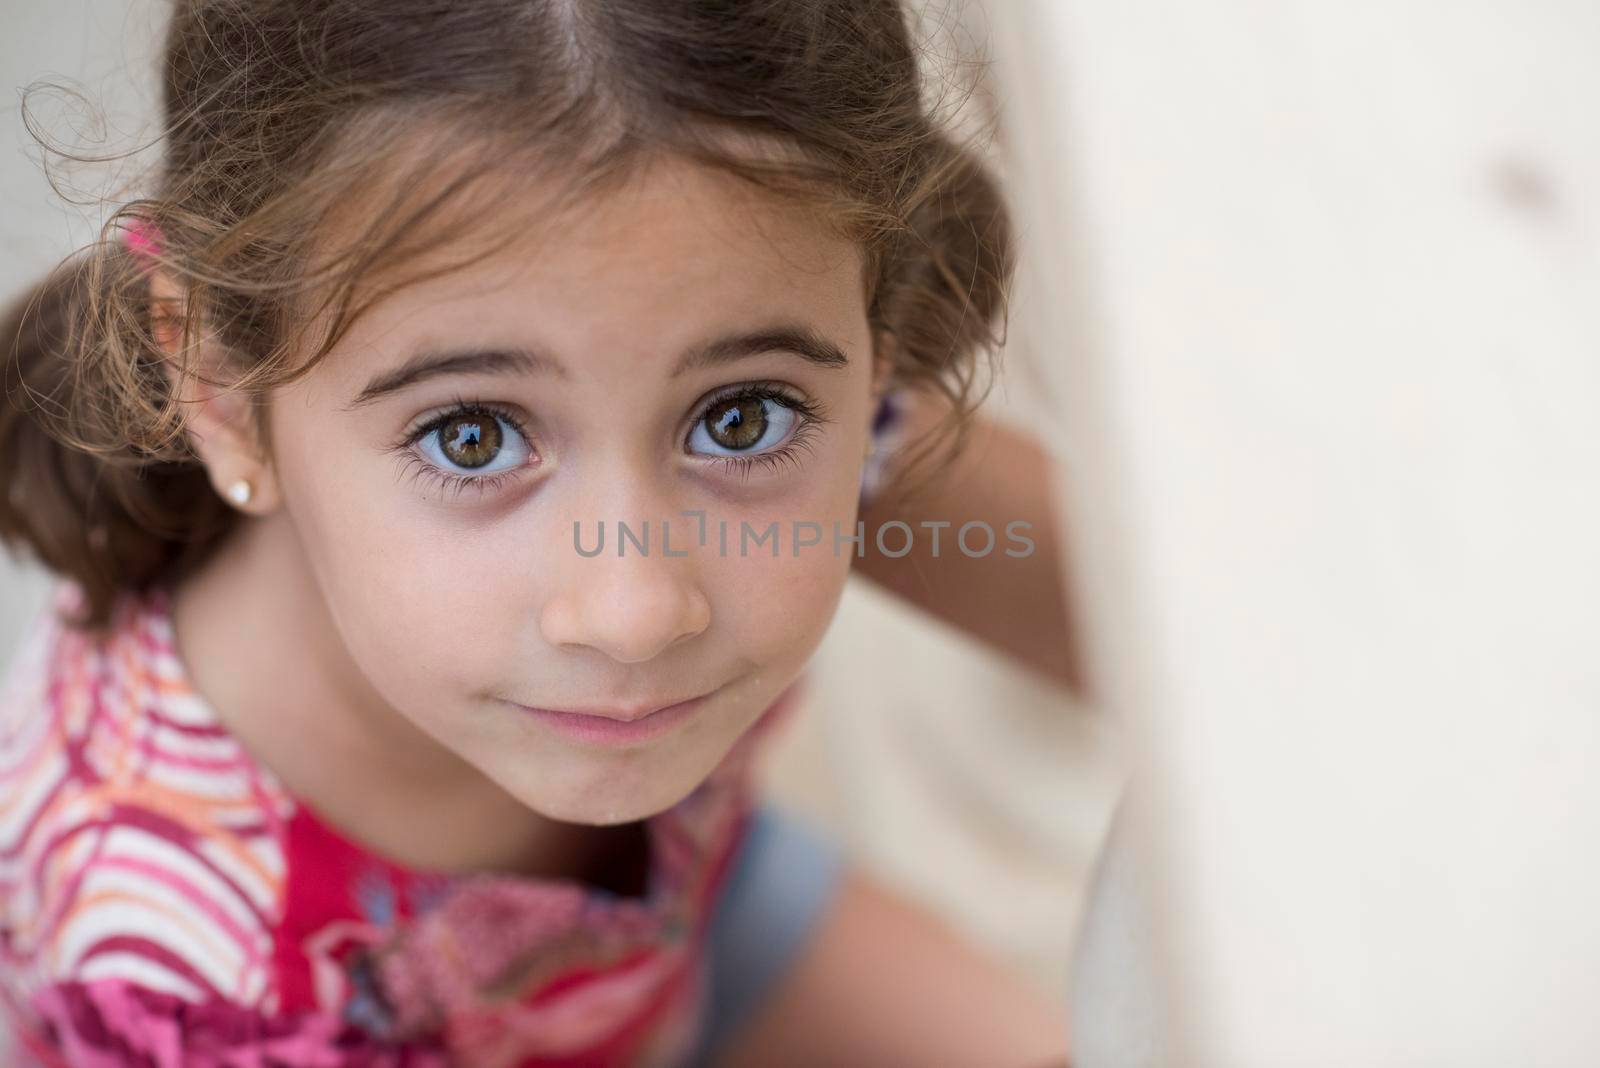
x=795, y=340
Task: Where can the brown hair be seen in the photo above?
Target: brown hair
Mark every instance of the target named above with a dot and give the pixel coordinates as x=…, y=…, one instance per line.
x=283, y=117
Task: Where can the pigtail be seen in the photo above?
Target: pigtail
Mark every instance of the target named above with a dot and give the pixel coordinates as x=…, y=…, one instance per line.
x=92, y=485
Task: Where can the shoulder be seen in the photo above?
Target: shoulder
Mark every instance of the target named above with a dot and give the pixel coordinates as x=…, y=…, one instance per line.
x=134, y=845
x=882, y=980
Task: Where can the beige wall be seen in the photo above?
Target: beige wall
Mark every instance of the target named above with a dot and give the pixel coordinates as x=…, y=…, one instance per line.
x=1326, y=277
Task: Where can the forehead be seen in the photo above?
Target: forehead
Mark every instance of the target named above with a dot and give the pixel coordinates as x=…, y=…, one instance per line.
x=673, y=224
x=649, y=265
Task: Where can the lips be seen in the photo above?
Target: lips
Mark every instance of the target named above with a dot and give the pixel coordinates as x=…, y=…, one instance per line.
x=617, y=726
x=629, y=713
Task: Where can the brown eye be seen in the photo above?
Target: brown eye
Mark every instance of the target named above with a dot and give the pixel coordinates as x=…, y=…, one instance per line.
x=470, y=440
x=737, y=424
x=758, y=420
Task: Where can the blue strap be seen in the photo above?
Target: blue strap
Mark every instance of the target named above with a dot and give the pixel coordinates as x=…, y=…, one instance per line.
x=784, y=878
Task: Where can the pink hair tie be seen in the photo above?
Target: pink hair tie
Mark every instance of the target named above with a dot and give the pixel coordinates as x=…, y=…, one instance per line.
x=143, y=239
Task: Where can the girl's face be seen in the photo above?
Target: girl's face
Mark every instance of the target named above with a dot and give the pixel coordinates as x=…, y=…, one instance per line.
x=683, y=345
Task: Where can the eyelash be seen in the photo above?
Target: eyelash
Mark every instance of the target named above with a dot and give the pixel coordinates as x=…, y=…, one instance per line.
x=448, y=482
x=811, y=415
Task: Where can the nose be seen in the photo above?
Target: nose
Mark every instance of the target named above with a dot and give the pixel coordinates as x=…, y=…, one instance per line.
x=630, y=608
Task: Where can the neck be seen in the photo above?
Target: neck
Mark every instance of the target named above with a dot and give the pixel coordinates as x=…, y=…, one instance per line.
x=260, y=647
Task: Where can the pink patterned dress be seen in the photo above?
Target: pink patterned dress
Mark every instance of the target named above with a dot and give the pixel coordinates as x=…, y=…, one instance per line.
x=166, y=902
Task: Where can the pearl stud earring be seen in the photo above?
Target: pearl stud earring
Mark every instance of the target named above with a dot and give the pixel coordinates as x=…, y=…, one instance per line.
x=241, y=491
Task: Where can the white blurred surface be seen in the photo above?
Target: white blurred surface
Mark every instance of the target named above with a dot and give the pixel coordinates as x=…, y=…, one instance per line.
x=1328, y=285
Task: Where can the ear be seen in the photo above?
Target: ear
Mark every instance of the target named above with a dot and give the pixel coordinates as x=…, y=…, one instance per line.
x=217, y=420
x=883, y=353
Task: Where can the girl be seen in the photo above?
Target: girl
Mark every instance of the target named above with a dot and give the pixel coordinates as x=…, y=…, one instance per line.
x=344, y=743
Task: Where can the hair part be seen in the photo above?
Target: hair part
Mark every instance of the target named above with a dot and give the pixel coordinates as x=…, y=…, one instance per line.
x=295, y=132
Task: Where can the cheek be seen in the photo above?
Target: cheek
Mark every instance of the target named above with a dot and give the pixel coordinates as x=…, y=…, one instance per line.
x=778, y=608
x=420, y=599
x=796, y=602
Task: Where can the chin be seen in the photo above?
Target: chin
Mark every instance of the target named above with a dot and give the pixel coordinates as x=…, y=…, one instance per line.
x=606, y=805
x=603, y=787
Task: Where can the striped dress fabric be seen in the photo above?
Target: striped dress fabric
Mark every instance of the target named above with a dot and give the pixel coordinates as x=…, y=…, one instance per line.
x=165, y=901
